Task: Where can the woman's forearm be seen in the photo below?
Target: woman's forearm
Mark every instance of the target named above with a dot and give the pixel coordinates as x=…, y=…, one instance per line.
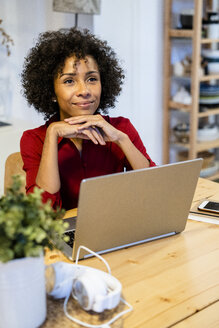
x=134, y=156
x=48, y=174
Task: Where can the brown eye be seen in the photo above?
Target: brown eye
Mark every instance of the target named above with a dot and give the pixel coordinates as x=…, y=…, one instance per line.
x=68, y=81
x=92, y=79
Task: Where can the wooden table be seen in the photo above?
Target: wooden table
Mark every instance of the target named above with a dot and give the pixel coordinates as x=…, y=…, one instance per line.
x=172, y=282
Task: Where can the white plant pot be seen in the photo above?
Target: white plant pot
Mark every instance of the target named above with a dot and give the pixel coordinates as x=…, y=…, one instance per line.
x=22, y=293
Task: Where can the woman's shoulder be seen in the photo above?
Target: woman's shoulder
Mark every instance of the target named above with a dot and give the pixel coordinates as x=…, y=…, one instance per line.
x=39, y=131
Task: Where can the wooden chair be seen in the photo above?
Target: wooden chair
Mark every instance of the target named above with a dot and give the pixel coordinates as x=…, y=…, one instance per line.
x=13, y=166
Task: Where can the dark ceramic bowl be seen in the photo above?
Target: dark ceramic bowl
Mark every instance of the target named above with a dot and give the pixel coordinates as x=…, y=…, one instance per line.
x=186, y=21
x=181, y=132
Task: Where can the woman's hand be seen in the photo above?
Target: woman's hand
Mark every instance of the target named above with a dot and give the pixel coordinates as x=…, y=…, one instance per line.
x=48, y=177
x=97, y=126
x=109, y=133
x=66, y=130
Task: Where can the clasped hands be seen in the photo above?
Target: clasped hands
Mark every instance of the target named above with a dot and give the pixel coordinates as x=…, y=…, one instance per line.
x=93, y=127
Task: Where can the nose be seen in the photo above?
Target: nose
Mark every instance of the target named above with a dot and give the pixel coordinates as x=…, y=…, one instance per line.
x=83, y=90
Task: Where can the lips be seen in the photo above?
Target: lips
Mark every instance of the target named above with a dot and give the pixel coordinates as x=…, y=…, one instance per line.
x=83, y=103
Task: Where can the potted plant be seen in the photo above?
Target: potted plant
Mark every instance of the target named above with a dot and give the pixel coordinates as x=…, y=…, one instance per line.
x=27, y=226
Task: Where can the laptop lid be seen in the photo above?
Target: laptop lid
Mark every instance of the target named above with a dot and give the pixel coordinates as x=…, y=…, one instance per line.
x=122, y=209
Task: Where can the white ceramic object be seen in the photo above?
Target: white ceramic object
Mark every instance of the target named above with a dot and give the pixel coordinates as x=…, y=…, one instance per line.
x=22, y=293
x=213, y=68
x=178, y=69
x=210, y=53
x=182, y=96
x=213, y=30
x=211, y=170
x=208, y=134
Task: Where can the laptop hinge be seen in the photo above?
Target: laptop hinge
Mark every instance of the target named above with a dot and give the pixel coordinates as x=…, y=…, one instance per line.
x=131, y=244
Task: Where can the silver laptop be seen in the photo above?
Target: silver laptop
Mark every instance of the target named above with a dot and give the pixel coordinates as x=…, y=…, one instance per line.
x=125, y=209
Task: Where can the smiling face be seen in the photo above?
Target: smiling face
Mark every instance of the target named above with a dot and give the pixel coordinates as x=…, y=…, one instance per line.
x=78, y=87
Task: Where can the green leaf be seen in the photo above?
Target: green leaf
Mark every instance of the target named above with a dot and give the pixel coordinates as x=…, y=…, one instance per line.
x=26, y=223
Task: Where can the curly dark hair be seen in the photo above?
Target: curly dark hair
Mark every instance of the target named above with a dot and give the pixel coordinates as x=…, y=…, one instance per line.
x=47, y=58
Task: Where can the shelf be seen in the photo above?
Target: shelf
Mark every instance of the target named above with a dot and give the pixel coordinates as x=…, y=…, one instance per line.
x=194, y=39
x=203, y=78
x=179, y=106
x=208, y=41
x=184, y=77
x=187, y=108
x=175, y=33
x=209, y=112
x=209, y=77
x=207, y=145
x=180, y=145
x=200, y=146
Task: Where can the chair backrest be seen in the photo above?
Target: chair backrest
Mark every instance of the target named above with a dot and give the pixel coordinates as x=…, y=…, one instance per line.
x=13, y=166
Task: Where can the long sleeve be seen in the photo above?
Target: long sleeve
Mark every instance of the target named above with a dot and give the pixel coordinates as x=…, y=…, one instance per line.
x=126, y=126
x=31, y=146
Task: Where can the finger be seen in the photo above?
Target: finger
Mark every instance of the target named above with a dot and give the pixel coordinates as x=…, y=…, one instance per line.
x=97, y=134
x=85, y=120
x=67, y=131
x=87, y=125
x=82, y=136
x=77, y=119
x=93, y=121
x=88, y=133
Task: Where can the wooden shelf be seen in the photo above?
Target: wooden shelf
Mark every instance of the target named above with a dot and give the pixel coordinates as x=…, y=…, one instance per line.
x=175, y=33
x=209, y=41
x=204, y=78
x=187, y=108
x=179, y=106
x=195, y=42
x=180, y=145
x=184, y=77
x=180, y=33
x=209, y=112
x=209, y=77
x=207, y=145
x=200, y=146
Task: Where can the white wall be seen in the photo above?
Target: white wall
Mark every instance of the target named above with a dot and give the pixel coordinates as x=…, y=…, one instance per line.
x=134, y=28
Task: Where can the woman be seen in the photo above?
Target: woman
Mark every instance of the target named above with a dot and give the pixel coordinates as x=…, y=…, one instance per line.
x=71, y=77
